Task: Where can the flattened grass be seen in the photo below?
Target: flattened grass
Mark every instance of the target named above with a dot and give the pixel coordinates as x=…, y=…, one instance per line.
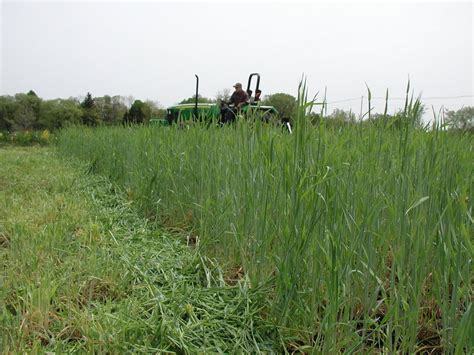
x=81, y=271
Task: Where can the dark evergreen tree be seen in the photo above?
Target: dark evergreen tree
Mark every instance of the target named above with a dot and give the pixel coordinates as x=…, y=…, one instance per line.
x=90, y=116
x=88, y=102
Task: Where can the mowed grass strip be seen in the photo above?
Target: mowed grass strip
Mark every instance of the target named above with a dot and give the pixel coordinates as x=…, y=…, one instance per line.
x=82, y=272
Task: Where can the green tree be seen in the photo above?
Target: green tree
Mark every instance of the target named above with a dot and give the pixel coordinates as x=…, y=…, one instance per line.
x=340, y=117
x=58, y=113
x=284, y=103
x=34, y=102
x=90, y=115
x=103, y=105
x=138, y=113
x=119, y=107
x=201, y=99
x=88, y=102
x=156, y=111
x=110, y=109
x=7, y=112
x=462, y=119
x=27, y=110
x=24, y=118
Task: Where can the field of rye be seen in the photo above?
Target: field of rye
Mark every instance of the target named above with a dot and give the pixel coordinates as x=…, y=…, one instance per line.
x=361, y=235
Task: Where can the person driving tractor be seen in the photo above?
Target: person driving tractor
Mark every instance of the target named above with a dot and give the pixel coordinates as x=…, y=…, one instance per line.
x=238, y=99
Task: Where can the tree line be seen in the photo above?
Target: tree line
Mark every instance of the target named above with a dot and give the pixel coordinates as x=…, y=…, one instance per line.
x=23, y=112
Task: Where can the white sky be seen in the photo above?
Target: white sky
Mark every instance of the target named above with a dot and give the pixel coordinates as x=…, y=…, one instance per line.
x=152, y=50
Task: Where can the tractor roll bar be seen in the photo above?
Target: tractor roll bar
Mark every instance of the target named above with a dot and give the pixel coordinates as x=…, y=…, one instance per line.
x=250, y=81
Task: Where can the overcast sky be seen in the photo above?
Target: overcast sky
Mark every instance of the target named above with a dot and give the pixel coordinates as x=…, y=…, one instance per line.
x=152, y=50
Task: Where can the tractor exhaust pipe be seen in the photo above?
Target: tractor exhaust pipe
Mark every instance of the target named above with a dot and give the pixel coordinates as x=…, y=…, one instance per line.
x=196, y=101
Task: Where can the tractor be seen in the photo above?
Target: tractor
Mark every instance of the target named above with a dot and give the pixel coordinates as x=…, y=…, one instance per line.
x=212, y=111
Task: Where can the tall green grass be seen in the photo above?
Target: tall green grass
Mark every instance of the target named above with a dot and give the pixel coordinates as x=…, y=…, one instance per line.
x=363, y=234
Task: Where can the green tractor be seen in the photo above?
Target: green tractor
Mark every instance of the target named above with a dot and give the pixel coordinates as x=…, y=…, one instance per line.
x=210, y=112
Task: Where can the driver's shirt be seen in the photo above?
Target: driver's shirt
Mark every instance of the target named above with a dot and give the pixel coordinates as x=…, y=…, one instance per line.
x=238, y=97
